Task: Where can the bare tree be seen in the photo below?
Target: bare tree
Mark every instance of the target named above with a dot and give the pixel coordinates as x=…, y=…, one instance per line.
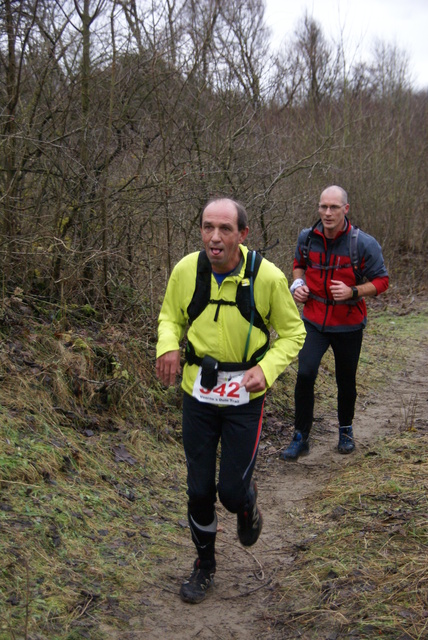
x=120, y=119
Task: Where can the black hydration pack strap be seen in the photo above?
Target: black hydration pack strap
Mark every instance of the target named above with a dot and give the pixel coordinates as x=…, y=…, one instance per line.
x=353, y=253
x=201, y=295
x=332, y=303
x=192, y=358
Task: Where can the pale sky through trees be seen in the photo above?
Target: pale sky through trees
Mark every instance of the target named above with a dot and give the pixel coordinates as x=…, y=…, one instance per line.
x=402, y=23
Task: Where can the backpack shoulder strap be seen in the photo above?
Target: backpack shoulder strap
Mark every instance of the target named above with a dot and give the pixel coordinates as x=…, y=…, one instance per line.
x=245, y=294
x=252, y=266
x=307, y=244
x=353, y=245
x=201, y=294
x=353, y=253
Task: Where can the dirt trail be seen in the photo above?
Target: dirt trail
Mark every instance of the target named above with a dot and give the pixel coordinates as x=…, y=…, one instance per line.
x=245, y=578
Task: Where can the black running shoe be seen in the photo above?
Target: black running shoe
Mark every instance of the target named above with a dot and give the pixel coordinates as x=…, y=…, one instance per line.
x=250, y=523
x=195, y=588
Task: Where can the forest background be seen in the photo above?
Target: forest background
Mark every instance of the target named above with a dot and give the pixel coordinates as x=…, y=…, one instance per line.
x=120, y=119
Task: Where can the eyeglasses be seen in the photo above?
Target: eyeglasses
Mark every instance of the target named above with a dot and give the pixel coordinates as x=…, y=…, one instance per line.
x=333, y=207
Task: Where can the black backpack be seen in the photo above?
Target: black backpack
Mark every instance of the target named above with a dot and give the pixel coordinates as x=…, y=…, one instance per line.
x=353, y=250
x=244, y=301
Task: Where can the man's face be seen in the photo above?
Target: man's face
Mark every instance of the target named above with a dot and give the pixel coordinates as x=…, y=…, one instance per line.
x=221, y=236
x=332, y=211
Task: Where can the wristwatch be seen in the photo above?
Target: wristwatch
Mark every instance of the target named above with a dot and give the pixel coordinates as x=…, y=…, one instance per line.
x=355, y=294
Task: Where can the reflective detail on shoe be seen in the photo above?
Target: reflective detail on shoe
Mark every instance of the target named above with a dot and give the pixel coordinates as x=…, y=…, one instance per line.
x=250, y=523
x=196, y=587
x=346, y=440
x=297, y=447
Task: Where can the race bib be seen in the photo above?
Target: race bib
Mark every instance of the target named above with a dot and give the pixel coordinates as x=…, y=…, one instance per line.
x=228, y=390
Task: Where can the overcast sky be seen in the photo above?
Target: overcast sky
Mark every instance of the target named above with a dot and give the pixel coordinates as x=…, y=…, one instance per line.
x=399, y=22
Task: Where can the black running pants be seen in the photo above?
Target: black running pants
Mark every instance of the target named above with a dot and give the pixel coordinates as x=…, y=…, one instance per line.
x=237, y=430
x=346, y=348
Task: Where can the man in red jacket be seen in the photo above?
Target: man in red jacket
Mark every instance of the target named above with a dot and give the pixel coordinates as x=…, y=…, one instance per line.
x=335, y=267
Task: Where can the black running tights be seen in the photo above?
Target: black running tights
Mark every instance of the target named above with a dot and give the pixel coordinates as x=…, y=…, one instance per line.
x=346, y=348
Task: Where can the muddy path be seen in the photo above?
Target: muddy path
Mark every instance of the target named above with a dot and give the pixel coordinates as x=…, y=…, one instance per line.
x=246, y=578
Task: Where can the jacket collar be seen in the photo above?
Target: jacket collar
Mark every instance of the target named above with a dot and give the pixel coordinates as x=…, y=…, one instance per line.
x=318, y=228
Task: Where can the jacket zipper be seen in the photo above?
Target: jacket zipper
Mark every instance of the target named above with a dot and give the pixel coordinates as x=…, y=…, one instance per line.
x=328, y=252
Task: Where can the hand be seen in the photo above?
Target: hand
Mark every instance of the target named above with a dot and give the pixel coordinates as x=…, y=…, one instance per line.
x=254, y=380
x=301, y=294
x=168, y=366
x=340, y=290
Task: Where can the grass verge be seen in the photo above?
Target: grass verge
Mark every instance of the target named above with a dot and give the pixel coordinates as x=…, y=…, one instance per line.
x=361, y=565
x=361, y=571
x=91, y=475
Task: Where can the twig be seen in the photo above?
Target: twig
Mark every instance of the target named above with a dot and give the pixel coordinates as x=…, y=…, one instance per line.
x=84, y=608
x=27, y=598
x=248, y=593
x=152, y=584
x=24, y=484
x=158, y=586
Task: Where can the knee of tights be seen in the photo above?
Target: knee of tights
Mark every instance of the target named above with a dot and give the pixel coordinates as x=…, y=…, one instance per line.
x=201, y=510
x=232, y=499
x=307, y=378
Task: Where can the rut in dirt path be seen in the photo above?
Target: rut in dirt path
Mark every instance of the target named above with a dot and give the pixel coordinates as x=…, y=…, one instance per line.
x=247, y=578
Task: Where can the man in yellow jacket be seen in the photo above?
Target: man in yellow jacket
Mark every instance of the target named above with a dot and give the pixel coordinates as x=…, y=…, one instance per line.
x=229, y=366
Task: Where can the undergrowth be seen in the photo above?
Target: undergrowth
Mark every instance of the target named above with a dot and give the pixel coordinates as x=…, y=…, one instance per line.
x=361, y=565
x=362, y=570
x=91, y=474
x=92, y=478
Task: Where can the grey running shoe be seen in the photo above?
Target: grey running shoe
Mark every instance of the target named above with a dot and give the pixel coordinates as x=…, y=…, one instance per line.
x=346, y=440
x=195, y=588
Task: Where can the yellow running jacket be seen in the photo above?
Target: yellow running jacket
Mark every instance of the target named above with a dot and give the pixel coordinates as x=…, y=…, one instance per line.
x=225, y=338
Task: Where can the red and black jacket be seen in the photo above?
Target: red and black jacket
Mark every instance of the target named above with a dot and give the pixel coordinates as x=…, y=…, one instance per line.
x=326, y=259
